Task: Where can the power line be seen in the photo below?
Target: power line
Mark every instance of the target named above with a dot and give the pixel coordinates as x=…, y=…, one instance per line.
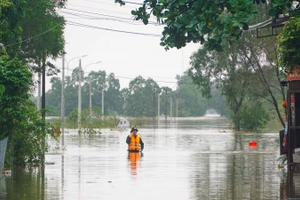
x=109, y=29
x=83, y=16
x=95, y=13
x=111, y=10
x=128, y=2
x=89, y=13
x=134, y=3
x=33, y=37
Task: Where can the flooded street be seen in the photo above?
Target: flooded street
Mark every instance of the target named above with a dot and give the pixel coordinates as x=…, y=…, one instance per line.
x=187, y=159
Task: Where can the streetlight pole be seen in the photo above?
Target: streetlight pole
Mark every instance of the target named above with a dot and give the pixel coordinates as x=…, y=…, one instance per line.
x=158, y=106
x=74, y=59
x=79, y=95
x=63, y=85
x=176, y=108
x=39, y=91
x=90, y=95
x=63, y=101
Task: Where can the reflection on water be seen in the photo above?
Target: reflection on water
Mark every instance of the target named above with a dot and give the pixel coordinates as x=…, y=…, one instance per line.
x=3, y=190
x=25, y=183
x=290, y=186
x=186, y=159
x=134, y=161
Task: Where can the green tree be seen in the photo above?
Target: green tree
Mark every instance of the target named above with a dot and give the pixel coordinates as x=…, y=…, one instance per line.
x=5, y=3
x=288, y=46
x=165, y=95
x=48, y=27
x=11, y=14
x=219, y=23
x=139, y=99
x=73, y=118
x=125, y=96
x=53, y=96
x=19, y=118
x=98, y=81
x=71, y=95
x=253, y=114
x=2, y=89
x=236, y=71
x=208, y=22
x=113, y=98
x=191, y=101
x=218, y=102
x=110, y=85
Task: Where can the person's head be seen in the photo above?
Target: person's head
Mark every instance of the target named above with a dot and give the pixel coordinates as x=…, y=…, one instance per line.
x=134, y=131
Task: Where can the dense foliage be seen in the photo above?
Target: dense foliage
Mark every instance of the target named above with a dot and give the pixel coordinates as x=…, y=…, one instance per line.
x=212, y=23
x=218, y=25
x=207, y=22
x=19, y=118
x=237, y=71
x=288, y=45
x=30, y=33
x=140, y=99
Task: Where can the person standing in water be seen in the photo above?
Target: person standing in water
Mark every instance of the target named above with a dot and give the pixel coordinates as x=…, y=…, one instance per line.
x=134, y=141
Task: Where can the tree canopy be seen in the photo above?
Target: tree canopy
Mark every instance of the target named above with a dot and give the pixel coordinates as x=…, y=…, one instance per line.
x=207, y=22
x=237, y=71
x=30, y=32
x=48, y=26
x=288, y=45
x=142, y=98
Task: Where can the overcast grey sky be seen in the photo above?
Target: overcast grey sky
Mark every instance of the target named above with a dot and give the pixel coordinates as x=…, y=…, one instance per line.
x=127, y=55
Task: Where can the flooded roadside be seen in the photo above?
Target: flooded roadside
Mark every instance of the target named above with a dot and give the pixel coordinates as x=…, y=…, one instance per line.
x=186, y=159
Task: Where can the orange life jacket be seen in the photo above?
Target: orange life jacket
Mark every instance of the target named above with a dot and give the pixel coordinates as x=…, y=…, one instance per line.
x=135, y=143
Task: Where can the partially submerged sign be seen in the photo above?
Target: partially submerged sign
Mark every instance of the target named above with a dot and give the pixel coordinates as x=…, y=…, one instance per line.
x=123, y=124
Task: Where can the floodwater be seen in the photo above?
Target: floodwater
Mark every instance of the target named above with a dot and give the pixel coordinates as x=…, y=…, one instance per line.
x=185, y=159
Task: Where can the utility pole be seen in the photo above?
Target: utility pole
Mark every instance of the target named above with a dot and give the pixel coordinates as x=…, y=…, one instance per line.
x=158, y=106
x=39, y=91
x=90, y=86
x=43, y=90
x=63, y=101
x=43, y=108
x=170, y=107
x=102, y=103
x=176, y=108
x=90, y=89
x=79, y=95
x=153, y=103
x=165, y=104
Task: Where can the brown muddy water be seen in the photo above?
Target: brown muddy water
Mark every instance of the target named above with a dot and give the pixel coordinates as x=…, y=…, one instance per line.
x=185, y=159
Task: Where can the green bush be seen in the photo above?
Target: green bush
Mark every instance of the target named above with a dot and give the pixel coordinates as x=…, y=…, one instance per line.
x=19, y=118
